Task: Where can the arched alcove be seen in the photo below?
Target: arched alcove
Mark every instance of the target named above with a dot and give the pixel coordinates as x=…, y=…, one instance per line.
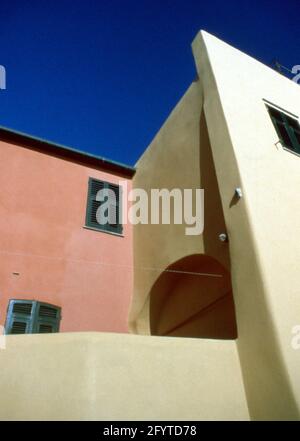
x=193, y=298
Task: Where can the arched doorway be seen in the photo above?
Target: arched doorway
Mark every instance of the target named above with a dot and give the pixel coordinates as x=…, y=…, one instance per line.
x=193, y=298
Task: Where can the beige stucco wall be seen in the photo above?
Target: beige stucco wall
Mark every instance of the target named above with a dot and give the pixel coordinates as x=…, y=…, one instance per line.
x=174, y=160
x=97, y=376
x=264, y=226
x=220, y=137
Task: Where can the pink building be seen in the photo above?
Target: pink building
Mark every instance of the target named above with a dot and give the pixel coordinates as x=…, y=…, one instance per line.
x=52, y=250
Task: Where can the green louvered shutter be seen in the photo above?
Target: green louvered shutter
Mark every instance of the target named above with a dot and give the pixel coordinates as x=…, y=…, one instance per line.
x=20, y=314
x=114, y=223
x=47, y=318
x=294, y=132
x=93, y=204
x=30, y=317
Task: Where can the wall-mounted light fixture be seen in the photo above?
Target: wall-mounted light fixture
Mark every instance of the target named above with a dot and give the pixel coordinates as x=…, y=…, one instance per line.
x=238, y=193
x=223, y=237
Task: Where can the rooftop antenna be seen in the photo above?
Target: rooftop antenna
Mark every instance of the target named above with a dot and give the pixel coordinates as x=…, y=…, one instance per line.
x=281, y=68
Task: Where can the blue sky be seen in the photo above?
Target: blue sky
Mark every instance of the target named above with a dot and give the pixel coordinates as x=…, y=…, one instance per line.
x=102, y=76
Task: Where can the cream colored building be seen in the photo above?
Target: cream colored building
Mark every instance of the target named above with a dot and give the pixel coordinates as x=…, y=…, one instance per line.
x=215, y=319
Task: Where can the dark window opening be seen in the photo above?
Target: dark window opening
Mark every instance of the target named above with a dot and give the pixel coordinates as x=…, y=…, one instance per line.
x=288, y=129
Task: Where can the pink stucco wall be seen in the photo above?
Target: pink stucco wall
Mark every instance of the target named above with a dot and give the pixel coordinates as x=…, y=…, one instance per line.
x=42, y=214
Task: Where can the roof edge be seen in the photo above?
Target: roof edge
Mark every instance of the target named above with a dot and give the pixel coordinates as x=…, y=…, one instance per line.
x=63, y=151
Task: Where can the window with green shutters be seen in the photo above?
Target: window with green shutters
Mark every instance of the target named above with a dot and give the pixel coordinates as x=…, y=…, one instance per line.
x=32, y=317
x=288, y=129
x=103, y=210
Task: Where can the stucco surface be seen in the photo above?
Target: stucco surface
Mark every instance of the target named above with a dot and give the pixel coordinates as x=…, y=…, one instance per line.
x=178, y=157
x=84, y=376
x=220, y=137
x=42, y=215
x=264, y=225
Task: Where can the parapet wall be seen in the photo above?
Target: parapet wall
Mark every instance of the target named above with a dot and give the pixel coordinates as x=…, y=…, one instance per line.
x=98, y=376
